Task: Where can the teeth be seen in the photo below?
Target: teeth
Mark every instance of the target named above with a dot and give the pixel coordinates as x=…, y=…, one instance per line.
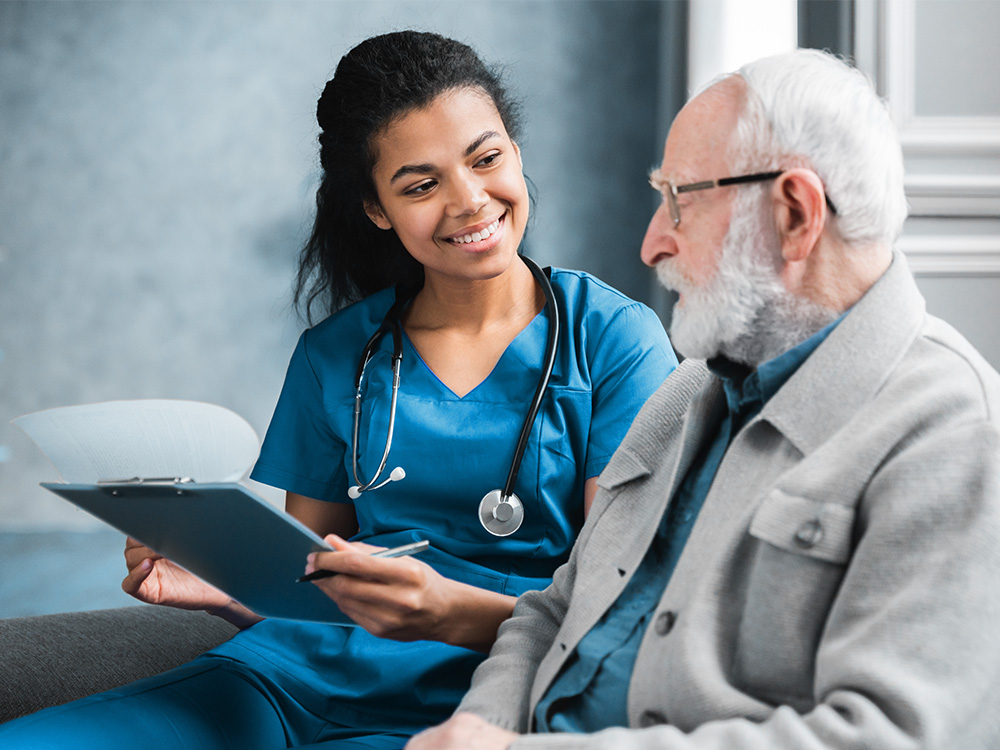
x=478, y=236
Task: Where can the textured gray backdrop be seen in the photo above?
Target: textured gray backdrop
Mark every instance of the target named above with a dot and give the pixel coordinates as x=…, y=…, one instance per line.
x=157, y=168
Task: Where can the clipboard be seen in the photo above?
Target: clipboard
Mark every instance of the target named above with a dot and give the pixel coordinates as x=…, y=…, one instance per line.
x=223, y=533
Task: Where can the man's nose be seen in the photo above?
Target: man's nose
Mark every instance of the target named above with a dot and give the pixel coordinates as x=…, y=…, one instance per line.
x=658, y=244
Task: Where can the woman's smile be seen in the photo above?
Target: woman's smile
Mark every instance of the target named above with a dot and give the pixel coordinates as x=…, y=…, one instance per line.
x=479, y=238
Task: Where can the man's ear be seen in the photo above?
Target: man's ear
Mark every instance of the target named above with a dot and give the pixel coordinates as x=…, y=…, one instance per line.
x=800, y=212
x=374, y=212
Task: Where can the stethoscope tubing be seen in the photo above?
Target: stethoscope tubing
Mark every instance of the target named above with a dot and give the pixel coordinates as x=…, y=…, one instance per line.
x=543, y=380
x=389, y=324
x=392, y=323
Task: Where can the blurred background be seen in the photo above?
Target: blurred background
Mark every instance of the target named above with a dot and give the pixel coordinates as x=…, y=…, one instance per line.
x=158, y=165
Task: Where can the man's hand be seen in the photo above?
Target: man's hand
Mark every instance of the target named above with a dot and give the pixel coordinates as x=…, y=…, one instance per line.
x=463, y=732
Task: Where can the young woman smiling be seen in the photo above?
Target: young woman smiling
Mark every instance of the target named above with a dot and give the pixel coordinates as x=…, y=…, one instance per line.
x=421, y=213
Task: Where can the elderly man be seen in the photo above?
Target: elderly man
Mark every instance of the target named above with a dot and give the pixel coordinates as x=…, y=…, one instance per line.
x=798, y=543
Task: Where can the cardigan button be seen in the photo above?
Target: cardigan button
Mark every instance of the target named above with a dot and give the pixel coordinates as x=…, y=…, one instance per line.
x=651, y=719
x=809, y=534
x=665, y=622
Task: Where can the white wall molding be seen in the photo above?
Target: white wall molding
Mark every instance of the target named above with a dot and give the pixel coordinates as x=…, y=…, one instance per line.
x=949, y=136
x=952, y=255
x=951, y=145
x=953, y=194
x=922, y=135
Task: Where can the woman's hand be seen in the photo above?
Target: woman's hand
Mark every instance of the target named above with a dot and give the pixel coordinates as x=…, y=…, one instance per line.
x=155, y=580
x=398, y=598
x=405, y=599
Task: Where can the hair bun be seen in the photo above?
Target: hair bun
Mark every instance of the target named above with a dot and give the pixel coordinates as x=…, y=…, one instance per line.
x=327, y=106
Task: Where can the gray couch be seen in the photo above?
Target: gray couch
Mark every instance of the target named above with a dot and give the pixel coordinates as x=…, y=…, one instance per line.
x=52, y=659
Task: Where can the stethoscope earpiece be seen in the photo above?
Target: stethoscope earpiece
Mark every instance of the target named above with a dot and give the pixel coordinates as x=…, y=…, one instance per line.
x=499, y=515
x=395, y=475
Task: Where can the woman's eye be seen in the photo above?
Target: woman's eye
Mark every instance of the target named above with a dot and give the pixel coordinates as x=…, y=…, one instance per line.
x=488, y=160
x=420, y=189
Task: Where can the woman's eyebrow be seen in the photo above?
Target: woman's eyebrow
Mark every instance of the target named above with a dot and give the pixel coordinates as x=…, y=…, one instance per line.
x=480, y=141
x=409, y=169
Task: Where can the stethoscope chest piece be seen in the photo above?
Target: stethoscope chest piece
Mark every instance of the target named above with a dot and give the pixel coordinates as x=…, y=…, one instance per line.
x=501, y=516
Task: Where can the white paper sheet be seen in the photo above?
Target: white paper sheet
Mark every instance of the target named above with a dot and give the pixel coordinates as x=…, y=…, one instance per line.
x=147, y=438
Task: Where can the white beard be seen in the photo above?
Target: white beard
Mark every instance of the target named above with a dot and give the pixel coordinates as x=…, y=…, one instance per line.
x=744, y=311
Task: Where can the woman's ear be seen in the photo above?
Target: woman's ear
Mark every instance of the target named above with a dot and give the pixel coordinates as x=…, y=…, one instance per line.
x=374, y=212
x=517, y=150
x=800, y=212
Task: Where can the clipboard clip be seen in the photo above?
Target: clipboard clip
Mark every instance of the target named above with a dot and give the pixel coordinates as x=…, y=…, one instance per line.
x=144, y=481
x=148, y=480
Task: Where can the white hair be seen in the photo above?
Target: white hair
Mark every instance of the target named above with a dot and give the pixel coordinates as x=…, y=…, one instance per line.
x=809, y=109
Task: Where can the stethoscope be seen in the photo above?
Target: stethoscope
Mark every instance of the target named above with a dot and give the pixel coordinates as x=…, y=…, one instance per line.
x=500, y=511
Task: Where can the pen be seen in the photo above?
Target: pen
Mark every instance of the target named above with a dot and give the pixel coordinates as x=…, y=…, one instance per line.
x=401, y=551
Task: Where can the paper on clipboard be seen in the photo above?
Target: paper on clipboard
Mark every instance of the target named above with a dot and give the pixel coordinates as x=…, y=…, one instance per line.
x=166, y=473
x=90, y=443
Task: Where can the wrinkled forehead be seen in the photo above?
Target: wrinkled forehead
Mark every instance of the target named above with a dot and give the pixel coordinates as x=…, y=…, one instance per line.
x=697, y=147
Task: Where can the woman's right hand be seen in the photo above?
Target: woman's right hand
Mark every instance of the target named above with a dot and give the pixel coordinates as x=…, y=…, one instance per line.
x=155, y=580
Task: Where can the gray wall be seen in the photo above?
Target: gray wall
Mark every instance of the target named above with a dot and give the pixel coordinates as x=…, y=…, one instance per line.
x=157, y=165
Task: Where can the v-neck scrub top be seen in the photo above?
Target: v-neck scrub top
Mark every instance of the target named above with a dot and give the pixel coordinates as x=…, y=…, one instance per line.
x=612, y=354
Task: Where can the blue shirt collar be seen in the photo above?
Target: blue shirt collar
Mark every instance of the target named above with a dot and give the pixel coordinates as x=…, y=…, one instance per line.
x=747, y=389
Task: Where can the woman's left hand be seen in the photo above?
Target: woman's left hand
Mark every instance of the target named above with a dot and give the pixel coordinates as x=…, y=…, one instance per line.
x=400, y=598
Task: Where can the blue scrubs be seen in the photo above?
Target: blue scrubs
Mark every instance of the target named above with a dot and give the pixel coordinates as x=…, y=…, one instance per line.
x=324, y=683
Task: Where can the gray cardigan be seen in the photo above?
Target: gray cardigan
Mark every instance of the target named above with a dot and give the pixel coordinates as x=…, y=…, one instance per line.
x=841, y=586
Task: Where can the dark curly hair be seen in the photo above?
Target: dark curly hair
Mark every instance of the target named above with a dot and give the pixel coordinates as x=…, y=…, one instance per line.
x=347, y=257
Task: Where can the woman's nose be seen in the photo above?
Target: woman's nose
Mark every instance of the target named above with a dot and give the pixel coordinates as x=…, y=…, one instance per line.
x=658, y=244
x=468, y=195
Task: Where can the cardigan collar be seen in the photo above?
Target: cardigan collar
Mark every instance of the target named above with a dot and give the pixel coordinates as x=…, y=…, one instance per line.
x=849, y=368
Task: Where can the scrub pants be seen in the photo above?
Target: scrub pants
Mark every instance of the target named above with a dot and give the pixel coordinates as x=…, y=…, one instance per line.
x=208, y=704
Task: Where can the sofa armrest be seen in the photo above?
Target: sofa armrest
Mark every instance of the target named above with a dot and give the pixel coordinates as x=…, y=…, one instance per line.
x=52, y=659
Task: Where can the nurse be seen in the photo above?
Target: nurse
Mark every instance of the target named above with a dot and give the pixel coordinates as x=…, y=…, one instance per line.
x=422, y=201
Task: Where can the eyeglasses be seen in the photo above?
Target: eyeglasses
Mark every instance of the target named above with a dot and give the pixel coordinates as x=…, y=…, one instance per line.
x=670, y=191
